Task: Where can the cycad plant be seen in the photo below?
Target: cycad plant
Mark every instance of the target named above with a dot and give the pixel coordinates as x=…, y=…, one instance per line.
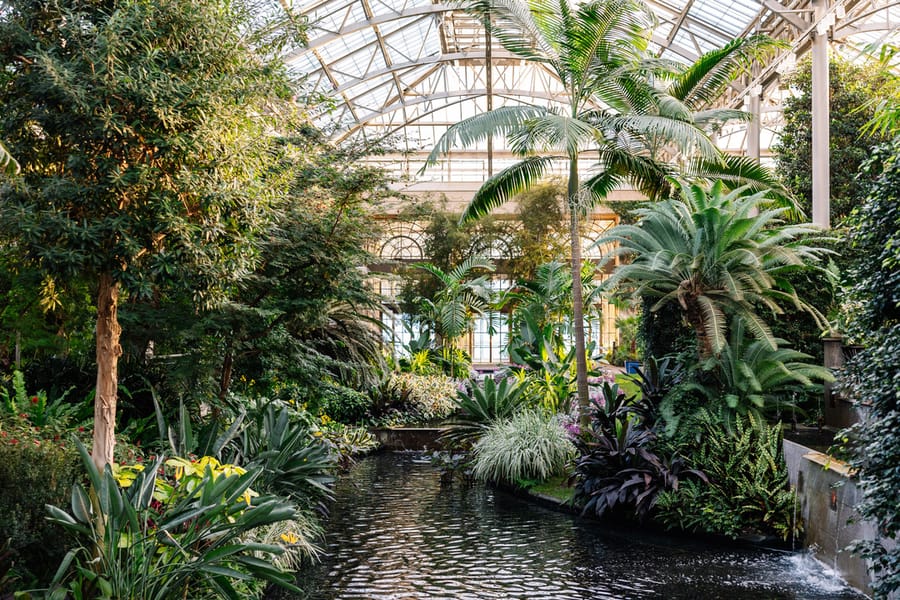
x=752, y=377
x=717, y=255
x=610, y=109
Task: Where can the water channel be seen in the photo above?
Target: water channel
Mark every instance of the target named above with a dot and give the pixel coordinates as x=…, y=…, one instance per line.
x=395, y=533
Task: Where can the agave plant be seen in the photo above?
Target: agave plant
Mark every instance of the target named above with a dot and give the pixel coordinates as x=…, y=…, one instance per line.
x=486, y=404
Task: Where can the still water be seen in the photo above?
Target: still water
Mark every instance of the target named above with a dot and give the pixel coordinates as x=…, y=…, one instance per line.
x=395, y=533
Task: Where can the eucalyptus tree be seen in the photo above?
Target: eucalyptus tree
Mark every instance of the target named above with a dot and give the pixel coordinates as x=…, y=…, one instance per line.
x=710, y=254
x=611, y=110
x=143, y=131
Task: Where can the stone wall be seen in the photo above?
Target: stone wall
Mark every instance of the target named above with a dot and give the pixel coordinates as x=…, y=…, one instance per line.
x=826, y=496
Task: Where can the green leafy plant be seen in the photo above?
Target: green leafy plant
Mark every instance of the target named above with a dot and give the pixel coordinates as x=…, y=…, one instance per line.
x=348, y=441
x=429, y=396
x=748, y=487
x=871, y=377
x=618, y=466
x=35, y=470
x=752, y=377
x=486, y=404
x=344, y=404
x=289, y=458
x=529, y=445
x=717, y=255
x=135, y=546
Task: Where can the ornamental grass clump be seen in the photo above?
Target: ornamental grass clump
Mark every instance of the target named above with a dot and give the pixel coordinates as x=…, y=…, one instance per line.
x=528, y=446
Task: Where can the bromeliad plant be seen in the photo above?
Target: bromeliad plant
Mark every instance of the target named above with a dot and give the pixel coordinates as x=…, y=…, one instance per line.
x=617, y=465
x=191, y=544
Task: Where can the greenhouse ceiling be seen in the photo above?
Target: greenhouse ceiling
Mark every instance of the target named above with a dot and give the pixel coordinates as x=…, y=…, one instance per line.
x=410, y=68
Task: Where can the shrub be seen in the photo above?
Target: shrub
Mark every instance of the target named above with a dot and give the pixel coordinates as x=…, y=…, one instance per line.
x=34, y=472
x=157, y=538
x=528, y=446
x=430, y=396
x=748, y=482
x=617, y=465
x=344, y=404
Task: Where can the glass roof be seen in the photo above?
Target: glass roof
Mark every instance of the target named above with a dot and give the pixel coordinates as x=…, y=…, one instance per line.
x=410, y=68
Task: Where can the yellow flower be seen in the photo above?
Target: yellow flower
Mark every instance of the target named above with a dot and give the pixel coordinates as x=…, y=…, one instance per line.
x=289, y=538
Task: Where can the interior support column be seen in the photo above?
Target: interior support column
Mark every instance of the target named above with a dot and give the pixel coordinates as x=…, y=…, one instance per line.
x=821, y=176
x=489, y=81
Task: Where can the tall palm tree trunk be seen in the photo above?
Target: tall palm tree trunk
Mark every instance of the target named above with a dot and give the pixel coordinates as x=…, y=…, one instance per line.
x=578, y=296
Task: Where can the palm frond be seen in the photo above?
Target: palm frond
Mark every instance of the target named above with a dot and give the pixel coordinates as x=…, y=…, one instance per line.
x=467, y=132
x=703, y=82
x=552, y=131
x=498, y=189
x=522, y=28
x=743, y=172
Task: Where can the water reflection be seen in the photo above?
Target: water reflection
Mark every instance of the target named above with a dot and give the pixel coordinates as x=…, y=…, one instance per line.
x=396, y=534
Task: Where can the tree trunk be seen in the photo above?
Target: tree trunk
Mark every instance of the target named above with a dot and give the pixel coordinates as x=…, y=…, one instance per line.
x=578, y=298
x=227, y=367
x=695, y=318
x=108, y=352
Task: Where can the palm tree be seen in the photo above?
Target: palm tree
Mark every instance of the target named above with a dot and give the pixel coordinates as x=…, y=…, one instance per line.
x=698, y=87
x=460, y=299
x=611, y=109
x=708, y=253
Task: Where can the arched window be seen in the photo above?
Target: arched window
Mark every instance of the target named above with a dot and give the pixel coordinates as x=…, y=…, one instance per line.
x=401, y=247
x=495, y=246
x=592, y=232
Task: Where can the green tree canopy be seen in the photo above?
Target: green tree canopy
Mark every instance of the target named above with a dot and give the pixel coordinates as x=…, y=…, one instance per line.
x=143, y=129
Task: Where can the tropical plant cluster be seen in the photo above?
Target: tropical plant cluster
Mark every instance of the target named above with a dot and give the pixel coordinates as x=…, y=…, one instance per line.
x=183, y=287
x=181, y=280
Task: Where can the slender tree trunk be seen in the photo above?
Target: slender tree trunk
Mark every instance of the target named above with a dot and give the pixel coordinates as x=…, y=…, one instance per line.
x=227, y=366
x=578, y=297
x=108, y=352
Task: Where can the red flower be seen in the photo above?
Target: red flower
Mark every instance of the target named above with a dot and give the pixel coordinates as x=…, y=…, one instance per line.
x=35, y=400
x=81, y=429
x=14, y=441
